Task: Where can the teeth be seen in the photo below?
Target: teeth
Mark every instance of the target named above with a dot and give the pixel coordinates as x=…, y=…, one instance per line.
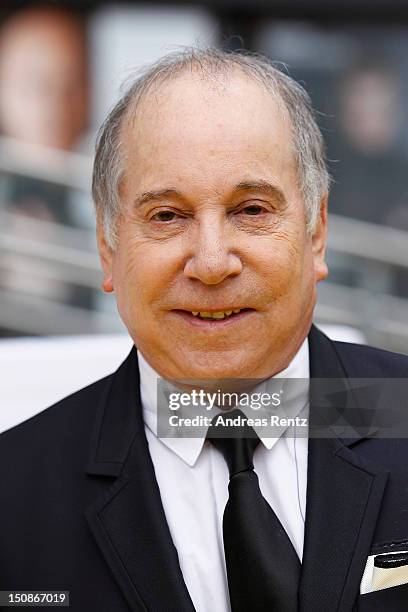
x=215, y=315
x=218, y=315
x=206, y=315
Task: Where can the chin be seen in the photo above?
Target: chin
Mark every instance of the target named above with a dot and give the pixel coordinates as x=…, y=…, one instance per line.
x=218, y=367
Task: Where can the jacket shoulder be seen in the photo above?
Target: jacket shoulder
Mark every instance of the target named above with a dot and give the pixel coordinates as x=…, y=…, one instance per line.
x=367, y=361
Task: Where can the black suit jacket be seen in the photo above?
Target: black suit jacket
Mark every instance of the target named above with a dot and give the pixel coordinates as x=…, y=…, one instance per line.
x=81, y=510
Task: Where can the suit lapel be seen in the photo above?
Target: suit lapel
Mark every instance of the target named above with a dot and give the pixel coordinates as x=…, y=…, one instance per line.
x=128, y=521
x=342, y=506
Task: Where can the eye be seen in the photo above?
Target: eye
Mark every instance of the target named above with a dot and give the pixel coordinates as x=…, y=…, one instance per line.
x=163, y=216
x=253, y=210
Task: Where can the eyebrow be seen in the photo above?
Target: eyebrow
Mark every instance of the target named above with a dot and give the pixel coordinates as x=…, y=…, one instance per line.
x=261, y=186
x=160, y=194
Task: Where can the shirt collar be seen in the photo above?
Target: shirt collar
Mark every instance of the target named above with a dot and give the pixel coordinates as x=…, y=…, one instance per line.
x=189, y=449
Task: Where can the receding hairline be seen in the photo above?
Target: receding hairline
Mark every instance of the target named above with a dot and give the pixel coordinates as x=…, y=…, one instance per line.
x=134, y=113
x=215, y=65
x=219, y=76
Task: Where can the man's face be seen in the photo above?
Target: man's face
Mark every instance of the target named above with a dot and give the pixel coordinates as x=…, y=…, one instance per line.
x=213, y=221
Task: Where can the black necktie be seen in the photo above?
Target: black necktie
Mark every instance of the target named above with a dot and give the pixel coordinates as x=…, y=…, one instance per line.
x=263, y=568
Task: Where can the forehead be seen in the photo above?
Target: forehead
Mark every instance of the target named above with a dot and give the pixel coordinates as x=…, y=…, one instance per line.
x=206, y=124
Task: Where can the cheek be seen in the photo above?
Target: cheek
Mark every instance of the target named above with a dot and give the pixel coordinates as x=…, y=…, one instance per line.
x=282, y=265
x=141, y=270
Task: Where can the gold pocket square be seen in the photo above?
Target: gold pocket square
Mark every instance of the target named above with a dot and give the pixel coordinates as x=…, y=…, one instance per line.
x=385, y=570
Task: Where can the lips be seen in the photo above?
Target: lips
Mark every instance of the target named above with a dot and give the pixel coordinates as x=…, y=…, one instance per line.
x=217, y=315
x=213, y=317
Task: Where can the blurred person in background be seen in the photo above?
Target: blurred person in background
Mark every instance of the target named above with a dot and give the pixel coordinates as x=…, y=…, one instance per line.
x=370, y=171
x=44, y=77
x=43, y=94
x=44, y=103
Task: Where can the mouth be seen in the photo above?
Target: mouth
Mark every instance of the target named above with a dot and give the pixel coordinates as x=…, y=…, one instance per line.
x=213, y=318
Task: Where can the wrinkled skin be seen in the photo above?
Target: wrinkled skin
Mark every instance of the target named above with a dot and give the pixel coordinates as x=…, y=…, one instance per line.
x=213, y=219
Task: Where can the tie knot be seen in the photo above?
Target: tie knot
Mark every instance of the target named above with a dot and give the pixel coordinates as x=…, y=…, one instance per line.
x=236, y=441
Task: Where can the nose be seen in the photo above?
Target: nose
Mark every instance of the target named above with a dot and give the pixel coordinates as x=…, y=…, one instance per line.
x=212, y=259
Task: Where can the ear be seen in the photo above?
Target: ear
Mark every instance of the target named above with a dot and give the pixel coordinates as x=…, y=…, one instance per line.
x=106, y=258
x=319, y=240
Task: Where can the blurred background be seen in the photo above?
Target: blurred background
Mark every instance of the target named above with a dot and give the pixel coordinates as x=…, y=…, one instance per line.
x=61, y=64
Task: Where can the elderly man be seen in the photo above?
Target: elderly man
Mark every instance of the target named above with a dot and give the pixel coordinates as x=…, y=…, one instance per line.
x=211, y=192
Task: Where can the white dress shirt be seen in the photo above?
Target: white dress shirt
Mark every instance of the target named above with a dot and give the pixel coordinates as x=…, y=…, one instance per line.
x=193, y=481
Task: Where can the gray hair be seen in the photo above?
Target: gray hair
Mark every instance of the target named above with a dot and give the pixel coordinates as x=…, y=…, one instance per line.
x=308, y=142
